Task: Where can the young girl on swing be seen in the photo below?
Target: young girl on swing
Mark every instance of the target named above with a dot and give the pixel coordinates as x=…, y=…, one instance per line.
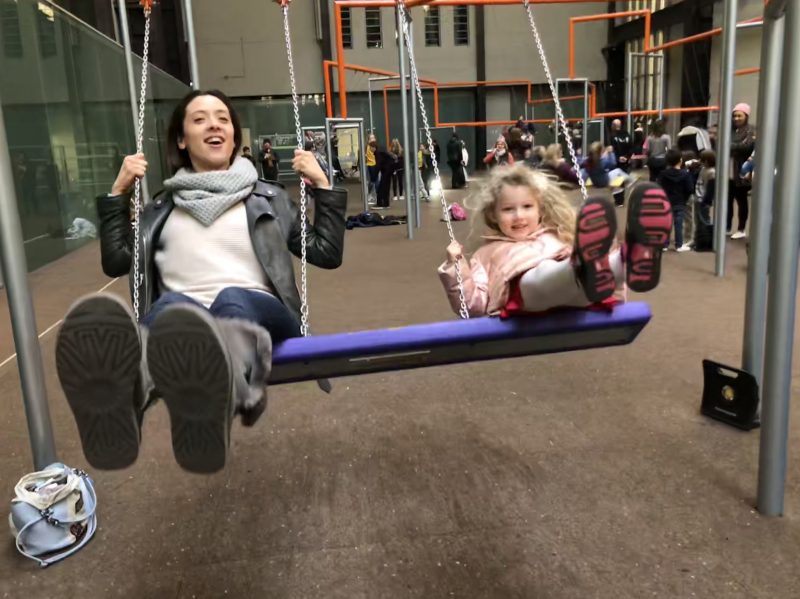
x=537, y=255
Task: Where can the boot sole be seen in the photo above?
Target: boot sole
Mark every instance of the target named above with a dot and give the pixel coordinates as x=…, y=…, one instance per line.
x=648, y=228
x=192, y=372
x=98, y=355
x=597, y=226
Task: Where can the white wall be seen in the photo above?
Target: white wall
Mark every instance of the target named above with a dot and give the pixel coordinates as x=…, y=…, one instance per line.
x=511, y=52
x=241, y=49
x=447, y=62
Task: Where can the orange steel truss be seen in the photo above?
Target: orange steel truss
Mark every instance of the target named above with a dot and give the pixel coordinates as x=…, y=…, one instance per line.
x=342, y=67
x=435, y=86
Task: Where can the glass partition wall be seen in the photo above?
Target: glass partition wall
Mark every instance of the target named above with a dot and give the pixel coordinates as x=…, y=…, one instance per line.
x=64, y=92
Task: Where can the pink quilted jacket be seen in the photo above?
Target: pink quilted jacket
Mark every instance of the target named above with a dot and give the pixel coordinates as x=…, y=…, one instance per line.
x=488, y=275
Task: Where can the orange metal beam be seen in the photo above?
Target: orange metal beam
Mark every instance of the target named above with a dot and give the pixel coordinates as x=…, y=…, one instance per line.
x=748, y=71
x=653, y=112
x=697, y=37
x=326, y=78
x=337, y=11
x=326, y=64
x=602, y=17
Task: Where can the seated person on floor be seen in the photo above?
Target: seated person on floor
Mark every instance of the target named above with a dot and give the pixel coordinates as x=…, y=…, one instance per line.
x=537, y=254
x=554, y=162
x=600, y=168
x=215, y=288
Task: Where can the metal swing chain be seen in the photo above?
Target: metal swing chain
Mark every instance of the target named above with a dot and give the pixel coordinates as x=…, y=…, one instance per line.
x=575, y=165
x=137, y=187
x=401, y=7
x=303, y=195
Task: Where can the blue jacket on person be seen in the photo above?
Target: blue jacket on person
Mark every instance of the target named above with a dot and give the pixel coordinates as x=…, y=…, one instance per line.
x=677, y=184
x=598, y=172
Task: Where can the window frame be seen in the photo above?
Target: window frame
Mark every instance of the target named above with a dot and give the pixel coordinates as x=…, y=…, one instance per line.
x=457, y=24
x=373, y=12
x=11, y=29
x=430, y=13
x=347, y=28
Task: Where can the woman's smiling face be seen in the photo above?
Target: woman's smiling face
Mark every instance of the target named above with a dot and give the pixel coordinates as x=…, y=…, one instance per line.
x=208, y=134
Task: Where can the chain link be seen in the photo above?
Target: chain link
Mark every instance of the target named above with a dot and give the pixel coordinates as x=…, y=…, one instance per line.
x=563, y=122
x=137, y=187
x=401, y=7
x=303, y=194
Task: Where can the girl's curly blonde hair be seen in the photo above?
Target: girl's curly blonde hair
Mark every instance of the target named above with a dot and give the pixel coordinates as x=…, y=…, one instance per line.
x=554, y=209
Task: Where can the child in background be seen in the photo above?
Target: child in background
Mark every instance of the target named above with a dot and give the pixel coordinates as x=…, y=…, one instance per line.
x=677, y=184
x=704, y=191
x=692, y=166
x=536, y=256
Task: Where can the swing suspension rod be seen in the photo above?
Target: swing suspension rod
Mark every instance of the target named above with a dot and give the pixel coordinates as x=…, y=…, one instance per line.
x=303, y=191
x=147, y=7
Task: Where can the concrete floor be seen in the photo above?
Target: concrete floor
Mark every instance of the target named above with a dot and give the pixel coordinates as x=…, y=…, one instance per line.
x=588, y=474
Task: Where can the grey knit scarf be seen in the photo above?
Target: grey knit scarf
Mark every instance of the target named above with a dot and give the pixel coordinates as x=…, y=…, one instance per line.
x=207, y=195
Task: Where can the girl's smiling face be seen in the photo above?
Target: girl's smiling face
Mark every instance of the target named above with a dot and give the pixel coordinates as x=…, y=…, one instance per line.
x=517, y=212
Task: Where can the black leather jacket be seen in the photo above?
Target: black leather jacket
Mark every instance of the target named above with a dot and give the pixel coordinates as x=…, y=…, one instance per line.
x=274, y=224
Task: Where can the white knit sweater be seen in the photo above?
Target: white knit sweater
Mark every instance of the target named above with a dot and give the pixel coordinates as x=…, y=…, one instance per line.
x=201, y=261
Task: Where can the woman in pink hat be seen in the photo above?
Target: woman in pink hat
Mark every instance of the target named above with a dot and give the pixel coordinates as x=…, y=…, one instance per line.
x=743, y=140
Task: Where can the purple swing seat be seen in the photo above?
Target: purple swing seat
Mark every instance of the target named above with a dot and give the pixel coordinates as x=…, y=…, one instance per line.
x=454, y=341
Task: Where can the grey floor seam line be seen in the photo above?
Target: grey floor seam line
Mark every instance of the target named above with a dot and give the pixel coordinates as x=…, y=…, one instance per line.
x=55, y=324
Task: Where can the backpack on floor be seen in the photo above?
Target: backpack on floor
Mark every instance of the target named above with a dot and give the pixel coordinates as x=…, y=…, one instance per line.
x=457, y=212
x=53, y=513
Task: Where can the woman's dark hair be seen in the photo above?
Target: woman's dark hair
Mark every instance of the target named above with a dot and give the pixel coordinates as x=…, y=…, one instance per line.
x=178, y=158
x=658, y=127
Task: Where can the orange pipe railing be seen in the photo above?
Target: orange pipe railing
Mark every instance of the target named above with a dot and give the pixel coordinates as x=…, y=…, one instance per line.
x=603, y=17
x=326, y=64
x=653, y=112
x=337, y=11
x=342, y=66
x=696, y=37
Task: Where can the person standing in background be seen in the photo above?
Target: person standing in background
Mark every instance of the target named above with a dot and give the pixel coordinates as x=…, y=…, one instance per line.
x=246, y=153
x=455, y=158
x=372, y=164
x=270, y=161
x=622, y=145
x=743, y=141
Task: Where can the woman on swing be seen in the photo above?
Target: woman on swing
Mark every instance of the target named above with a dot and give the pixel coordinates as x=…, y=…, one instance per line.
x=216, y=288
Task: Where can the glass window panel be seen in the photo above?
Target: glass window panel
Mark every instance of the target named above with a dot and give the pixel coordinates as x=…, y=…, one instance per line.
x=46, y=29
x=461, y=25
x=12, y=37
x=374, y=34
x=347, y=31
x=432, y=26
x=68, y=120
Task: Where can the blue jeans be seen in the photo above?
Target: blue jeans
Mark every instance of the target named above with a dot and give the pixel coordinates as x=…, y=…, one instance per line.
x=234, y=302
x=678, y=214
